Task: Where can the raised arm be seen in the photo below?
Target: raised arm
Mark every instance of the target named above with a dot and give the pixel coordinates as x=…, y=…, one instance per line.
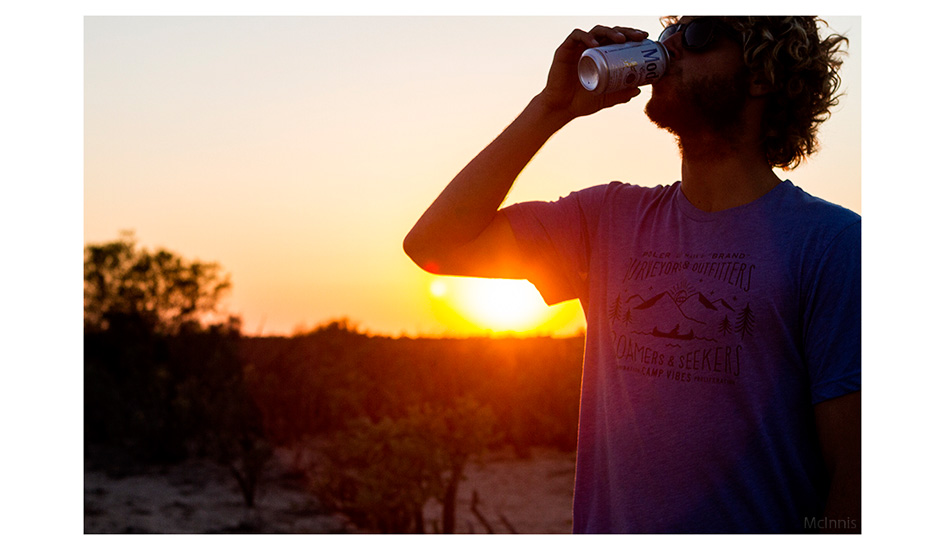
x=463, y=232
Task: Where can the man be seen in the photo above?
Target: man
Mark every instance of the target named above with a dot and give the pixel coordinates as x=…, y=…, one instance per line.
x=721, y=384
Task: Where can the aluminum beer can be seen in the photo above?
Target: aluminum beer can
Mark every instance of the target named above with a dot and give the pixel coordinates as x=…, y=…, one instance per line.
x=616, y=66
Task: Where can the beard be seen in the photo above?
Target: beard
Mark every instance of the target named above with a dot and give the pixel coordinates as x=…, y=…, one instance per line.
x=706, y=107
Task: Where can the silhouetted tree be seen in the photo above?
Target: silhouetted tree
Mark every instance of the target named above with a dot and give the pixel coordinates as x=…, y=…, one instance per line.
x=462, y=432
x=158, y=290
x=163, y=373
x=381, y=474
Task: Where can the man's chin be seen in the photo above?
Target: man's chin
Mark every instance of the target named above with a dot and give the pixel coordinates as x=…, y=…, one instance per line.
x=662, y=114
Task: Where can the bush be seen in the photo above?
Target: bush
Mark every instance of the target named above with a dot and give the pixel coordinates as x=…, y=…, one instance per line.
x=381, y=474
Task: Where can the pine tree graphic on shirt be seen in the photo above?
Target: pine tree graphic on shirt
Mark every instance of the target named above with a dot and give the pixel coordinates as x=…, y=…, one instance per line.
x=746, y=321
x=725, y=327
x=614, y=312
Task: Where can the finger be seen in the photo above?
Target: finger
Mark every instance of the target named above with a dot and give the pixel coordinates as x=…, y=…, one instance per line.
x=635, y=35
x=618, y=34
x=608, y=34
x=623, y=96
x=620, y=96
x=578, y=36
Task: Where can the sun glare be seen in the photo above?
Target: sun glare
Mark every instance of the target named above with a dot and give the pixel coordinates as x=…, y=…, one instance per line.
x=438, y=288
x=496, y=305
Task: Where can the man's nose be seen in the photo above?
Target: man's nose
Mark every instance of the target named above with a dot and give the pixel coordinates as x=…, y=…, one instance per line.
x=674, y=44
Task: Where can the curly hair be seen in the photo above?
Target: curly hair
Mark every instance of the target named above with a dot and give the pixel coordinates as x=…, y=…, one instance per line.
x=801, y=69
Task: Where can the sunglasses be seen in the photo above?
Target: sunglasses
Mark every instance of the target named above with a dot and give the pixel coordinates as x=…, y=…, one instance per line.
x=699, y=33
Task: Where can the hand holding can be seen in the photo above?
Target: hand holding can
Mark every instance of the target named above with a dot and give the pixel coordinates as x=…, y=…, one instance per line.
x=563, y=96
x=616, y=66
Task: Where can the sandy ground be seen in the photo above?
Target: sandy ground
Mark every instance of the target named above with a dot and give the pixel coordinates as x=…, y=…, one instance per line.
x=514, y=495
x=526, y=496
x=198, y=497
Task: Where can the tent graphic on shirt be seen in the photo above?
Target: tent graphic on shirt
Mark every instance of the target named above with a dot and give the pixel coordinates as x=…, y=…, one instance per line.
x=677, y=315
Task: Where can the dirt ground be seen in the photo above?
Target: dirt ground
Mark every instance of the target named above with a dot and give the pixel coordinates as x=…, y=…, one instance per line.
x=514, y=495
x=196, y=496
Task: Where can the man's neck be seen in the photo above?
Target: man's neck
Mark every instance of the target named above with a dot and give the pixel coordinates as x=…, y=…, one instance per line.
x=721, y=173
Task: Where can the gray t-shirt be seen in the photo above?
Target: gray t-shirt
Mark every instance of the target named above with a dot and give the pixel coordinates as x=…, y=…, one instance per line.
x=710, y=336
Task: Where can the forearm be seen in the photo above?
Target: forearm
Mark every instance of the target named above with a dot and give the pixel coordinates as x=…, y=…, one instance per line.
x=843, y=510
x=471, y=200
x=839, y=430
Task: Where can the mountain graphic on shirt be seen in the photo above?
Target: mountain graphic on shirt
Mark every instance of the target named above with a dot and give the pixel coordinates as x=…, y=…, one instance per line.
x=666, y=315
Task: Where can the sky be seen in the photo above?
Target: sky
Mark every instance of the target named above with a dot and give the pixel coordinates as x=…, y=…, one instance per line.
x=297, y=152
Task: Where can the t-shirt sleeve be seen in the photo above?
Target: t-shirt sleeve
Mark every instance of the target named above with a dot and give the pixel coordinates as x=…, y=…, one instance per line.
x=832, y=318
x=556, y=238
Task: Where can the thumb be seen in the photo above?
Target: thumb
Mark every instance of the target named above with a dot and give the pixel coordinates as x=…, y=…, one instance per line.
x=621, y=96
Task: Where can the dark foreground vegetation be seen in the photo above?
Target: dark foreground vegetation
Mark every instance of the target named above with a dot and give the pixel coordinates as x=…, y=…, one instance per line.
x=166, y=379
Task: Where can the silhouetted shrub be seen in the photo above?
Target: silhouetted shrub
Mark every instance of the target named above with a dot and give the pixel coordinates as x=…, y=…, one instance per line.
x=381, y=474
x=314, y=384
x=160, y=376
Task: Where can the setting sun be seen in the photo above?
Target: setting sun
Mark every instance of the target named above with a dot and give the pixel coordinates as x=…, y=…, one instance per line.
x=497, y=305
x=503, y=304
